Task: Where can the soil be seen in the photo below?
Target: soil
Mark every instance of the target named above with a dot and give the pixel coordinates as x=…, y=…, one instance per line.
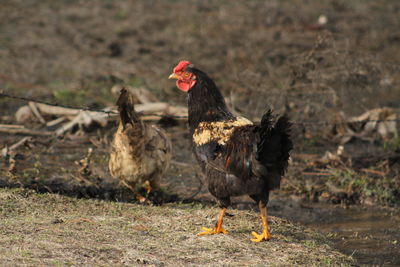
x=50, y=229
x=262, y=54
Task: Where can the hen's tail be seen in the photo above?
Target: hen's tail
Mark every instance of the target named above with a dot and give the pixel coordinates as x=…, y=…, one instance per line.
x=126, y=108
x=273, y=147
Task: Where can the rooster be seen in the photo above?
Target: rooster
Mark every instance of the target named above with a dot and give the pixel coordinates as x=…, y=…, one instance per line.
x=140, y=153
x=236, y=156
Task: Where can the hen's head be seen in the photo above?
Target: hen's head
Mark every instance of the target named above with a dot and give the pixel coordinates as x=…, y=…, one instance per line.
x=185, y=79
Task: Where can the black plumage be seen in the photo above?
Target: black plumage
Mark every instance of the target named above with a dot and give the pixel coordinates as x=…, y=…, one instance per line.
x=236, y=156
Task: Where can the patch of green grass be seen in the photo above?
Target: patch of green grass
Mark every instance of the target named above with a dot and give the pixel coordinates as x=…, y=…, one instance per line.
x=70, y=97
x=392, y=144
x=383, y=190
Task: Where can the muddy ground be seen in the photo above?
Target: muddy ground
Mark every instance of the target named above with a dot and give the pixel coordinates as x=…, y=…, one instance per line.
x=308, y=59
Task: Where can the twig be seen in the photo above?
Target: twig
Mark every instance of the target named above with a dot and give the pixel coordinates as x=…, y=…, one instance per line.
x=11, y=126
x=25, y=131
x=56, y=121
x=21, y=142
x=373, y=172
x=317, y=173
x=33, y=107
x=54, y=110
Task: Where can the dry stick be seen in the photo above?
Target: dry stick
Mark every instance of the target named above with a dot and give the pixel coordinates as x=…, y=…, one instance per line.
x=148, y=107
x=373, y=172
x=11, y=126
x=53, y=110
x=83, y=118
x=21, y=142
x=25, y=131
x=5, y=151
x=33, y=107
x=157, y=107
x=56, y=121
x=66, y=127
x=86, y=117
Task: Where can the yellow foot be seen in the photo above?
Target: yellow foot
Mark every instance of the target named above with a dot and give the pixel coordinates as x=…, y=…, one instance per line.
x=212, y=231
x=264, y=236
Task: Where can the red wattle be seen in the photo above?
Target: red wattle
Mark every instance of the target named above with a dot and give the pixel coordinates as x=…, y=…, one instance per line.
x=185, y=85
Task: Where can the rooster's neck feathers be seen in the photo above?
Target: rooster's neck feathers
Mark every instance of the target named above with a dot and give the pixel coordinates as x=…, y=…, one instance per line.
x=205, y=101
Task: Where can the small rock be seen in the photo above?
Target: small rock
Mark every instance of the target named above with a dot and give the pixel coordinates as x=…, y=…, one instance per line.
x=57, y=220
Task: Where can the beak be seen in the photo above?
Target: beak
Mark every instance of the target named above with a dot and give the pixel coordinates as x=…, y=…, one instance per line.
x=173, y=76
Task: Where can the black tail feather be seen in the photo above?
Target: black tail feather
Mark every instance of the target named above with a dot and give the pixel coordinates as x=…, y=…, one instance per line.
x=274, y=146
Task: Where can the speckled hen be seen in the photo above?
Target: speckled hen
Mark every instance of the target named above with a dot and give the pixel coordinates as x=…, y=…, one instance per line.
x=140, y=152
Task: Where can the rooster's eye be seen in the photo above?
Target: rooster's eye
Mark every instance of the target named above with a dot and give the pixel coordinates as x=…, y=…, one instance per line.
x=187, y=74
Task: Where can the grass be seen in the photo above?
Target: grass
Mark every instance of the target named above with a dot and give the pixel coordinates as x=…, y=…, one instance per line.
x=382, y=190
x=51, y=229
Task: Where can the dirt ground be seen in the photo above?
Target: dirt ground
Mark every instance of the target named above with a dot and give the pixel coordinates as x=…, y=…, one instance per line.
x=49, y=229
x=308, y=59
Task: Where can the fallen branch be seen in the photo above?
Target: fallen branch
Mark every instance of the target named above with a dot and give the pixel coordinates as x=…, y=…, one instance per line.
x=158, y=108
x=25, y=131
x=11, y=126
x=57, y=111
x=35, y=111
x=56, y=121
x=83, y=119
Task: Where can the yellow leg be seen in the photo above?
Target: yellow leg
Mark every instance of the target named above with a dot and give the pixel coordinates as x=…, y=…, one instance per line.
x=265, y=235
x=218, y=226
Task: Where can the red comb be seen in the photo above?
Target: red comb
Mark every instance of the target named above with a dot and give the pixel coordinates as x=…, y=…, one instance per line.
x=181, y=65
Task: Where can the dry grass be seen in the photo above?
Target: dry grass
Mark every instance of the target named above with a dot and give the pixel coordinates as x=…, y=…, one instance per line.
x=49, y=229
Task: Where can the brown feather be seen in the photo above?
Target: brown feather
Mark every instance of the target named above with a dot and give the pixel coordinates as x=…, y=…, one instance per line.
x=140, y=152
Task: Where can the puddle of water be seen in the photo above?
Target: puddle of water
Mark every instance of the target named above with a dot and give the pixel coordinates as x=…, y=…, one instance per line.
x=370, y=236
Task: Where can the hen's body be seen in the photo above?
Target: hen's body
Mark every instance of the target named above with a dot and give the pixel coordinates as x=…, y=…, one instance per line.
x=140, y=153
x=236, y=156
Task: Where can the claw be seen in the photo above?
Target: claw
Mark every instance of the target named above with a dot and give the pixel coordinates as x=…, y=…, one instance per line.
x=212, y=231
x=262, y=237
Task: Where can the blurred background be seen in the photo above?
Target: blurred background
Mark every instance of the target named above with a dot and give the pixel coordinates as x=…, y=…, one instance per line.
x=331, y=65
